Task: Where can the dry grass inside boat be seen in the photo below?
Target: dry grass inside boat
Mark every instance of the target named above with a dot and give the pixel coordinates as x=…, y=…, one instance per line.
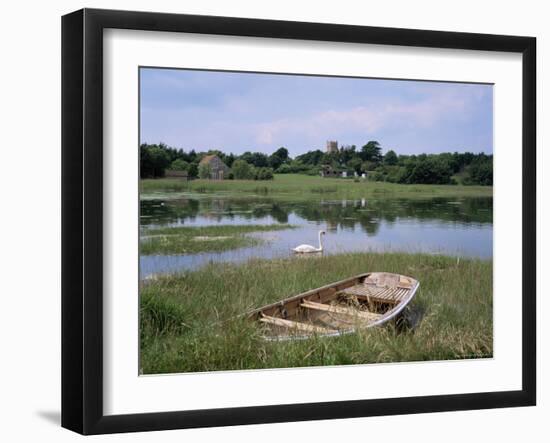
x=339, y=308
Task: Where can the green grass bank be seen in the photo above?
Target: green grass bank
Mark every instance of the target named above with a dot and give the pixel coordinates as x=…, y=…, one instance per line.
x=190, y=322
x=306, y=187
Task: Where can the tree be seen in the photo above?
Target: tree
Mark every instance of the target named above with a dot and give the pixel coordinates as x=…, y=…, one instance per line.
x=257, y=159
x=279, y=157
x=330, y=158
x=193, y=171
x=274, y=162
x=281, y=153
x=229, y=159
x=371, y=152
x=311, y=157
x=481, y=171
x=145, y=164
x=355, y=164
x=427, y=170
x=390, y=158
x=242, y=170
x=154, y=160
x=205, y=171
x=347, y=153
x=179, y=165
x=191, y=157
x=368, y=166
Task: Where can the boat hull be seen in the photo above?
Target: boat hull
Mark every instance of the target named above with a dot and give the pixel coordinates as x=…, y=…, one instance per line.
x=363, y=301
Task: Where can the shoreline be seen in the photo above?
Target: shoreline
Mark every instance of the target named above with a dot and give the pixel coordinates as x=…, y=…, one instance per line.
x=299, y=186
x=181, y=314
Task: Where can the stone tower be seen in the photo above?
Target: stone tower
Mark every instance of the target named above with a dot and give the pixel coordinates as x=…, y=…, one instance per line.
x=332, y=146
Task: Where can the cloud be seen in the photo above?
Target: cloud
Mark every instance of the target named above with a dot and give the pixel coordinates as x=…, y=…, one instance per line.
x=367, y=119
x=238, y=112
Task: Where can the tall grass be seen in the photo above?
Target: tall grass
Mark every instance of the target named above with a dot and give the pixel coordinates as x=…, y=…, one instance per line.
x=191, y=322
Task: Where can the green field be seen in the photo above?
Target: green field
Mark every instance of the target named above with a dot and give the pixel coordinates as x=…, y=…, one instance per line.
x=193, y=240
x=306, y=187
x=190, y=322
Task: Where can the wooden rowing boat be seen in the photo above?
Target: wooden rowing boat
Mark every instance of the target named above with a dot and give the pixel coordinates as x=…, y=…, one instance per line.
x=339, y=308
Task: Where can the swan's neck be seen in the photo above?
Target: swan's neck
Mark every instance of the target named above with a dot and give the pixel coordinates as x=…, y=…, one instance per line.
x=320, y=242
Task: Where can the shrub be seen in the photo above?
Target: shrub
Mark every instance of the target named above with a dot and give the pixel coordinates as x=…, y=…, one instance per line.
x=293, y=167
x=263, y=174
x=284, y=169
x=315, y=170
x=242, y=170
x=179, y=165
x=376, y=176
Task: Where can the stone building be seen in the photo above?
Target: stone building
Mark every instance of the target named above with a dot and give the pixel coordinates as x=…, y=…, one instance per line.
x=332, y=146
x=218, y=169
x=328, y=171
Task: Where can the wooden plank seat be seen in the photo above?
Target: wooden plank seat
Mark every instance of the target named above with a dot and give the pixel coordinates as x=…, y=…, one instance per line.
x=362, y=301
x=363, y=315
x=377, y=294
x=295, y=325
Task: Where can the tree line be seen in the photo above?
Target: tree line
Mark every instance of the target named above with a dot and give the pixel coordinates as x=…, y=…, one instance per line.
x=444, y=168
x=156, y=159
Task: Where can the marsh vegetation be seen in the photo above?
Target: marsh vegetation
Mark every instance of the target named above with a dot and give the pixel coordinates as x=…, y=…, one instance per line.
x=197, y=239
x=213, y=250
x=192, y=322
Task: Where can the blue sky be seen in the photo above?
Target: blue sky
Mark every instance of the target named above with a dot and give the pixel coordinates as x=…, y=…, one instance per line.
x=238, y=112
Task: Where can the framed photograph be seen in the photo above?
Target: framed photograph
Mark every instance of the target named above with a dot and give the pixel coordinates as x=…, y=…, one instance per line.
x=269, y=221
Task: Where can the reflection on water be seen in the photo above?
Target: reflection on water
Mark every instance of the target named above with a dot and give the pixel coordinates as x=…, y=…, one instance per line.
x=461, y=226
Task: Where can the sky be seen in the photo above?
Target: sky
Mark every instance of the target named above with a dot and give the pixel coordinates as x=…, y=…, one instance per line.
x=238, y=112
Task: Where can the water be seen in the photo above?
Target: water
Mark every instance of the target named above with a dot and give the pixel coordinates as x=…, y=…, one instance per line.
x=453, y=226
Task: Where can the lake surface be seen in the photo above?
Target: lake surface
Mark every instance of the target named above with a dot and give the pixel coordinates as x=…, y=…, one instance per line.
x=452, y=226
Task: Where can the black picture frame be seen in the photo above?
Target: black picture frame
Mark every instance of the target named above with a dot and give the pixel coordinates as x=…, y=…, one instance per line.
x=82, y=218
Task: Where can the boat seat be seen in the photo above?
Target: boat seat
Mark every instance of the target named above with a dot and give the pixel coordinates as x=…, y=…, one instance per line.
x=376, y=293
x=296, y=325
x=363, y=315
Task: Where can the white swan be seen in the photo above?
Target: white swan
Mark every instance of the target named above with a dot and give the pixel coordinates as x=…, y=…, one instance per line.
x=305, y=249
